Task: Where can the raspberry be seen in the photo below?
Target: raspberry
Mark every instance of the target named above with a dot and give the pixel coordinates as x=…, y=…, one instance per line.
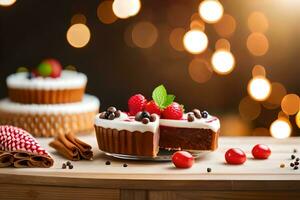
x=173, y=111
x=136, y=103
x=152, y=107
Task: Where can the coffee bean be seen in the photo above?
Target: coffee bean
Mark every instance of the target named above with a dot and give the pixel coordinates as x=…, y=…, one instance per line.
x=297, y=159
x=68, y=163
x=153, y=118
x=282, y=165
x=111, y=109
x=125, y=165
x=107, y=162
x=204, y=114
x=64, y=166
x=118, y=113
x=71, y=166
x=296, y=167
x=145, y=114
x=296, y=163
x=111, y=116
x=208, y=170
x=293, y=157
x=292, y=164
x=138, y=116
x=190, y=117
x=197, y=113
x=102, y=115
x=145, y=120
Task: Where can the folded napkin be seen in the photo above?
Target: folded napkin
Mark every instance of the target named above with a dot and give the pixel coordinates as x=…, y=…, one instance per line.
x=20, y=149
x=71, y=147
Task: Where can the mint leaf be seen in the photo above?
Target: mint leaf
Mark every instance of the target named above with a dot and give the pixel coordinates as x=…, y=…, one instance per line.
x=169, y=100
x=159, y=95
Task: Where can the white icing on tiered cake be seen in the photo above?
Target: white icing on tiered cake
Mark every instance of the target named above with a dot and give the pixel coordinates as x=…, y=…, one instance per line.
x=67, y=80
x=88, y=104
x=210, y=122
x=125, y=122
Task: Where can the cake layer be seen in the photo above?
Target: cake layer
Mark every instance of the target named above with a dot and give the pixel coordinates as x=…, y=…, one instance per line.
x=68, y=88
x=188, y=138
x=127, y=142
x=49, y=120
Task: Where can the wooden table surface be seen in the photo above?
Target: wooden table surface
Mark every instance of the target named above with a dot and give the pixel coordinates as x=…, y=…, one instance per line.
x=160, y=180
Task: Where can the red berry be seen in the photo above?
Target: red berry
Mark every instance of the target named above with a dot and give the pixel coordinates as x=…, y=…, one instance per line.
x=235, y=156
x=261, y=151
x=152, y=107
x=136, y=103
x=183, y=159
x=173, y=111
x=56, y=68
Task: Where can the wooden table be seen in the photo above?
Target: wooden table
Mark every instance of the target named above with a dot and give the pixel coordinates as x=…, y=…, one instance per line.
x=256, y=179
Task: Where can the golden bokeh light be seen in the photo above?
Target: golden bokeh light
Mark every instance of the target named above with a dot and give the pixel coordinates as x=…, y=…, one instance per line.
x=200, y=70
x=222, y=62
x=257, y=22
x=78, y=35
x=277, y=94
x=211, y=11
x=195, y=41
x=249, y=109
x=226, y=26
x=7, y=3
x=290, y=104
x=176, y=38
x=78, y=19
x=126, y=8
x=258, y=70
x=196, y=17
x=105, y=12
x=222, y=44
x=144, y=34
x=283, y=116
x=257, y=44
x=298, y=119
x=197, y=24
x=128, y=36
x=261, y=132
x=259, y=88
x=234, y=125
x=280, y=129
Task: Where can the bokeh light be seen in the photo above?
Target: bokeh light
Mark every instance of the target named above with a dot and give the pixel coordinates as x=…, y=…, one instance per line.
x=260, y=131
x=105, y=12
x=200, y=70
x=298, y=119
x=290, y=104
x=280, y=129
x=257, y=44
x=277, y=94
x=257, y=22
x=78, y=19
x=176, y=38
x=222, y=44
x=249, y=109
x=144, y=34
x=234, y=125
x=126, y=8
x=7, y=3
x=197, y=24
x=259, y=88
x=226, y=26
x=211, y=10
x=222, y=62
x=78, y=35
x=258, y=70
x=195, y=41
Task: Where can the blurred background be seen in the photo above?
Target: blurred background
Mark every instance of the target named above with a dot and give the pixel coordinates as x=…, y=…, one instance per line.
x=237, y=59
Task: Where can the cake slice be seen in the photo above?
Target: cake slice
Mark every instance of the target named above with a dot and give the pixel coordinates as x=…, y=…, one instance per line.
x=192, y=132
x=118, y=133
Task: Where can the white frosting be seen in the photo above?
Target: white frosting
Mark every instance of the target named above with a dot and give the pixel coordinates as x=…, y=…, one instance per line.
x=124, y=122
x=88, y=104
x=67, y=80
x=210, y=122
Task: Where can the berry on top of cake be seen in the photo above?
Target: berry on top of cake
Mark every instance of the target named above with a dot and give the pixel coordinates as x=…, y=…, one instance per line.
x=47, y=84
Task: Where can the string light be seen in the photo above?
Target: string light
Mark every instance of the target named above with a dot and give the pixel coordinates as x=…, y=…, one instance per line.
x=78, y=35
x=195, y=41
x=259, y=88
x=126, y=8
x=280, y=129
x=211, y=11
x=222, y=62
x=7, y=3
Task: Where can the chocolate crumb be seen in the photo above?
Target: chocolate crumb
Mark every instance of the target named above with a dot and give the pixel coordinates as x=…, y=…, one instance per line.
x=71, y=166
x=296, y=163
x=293, y=157
x=292, y=164
x=64, y=166
x=296, y=168
x=295, y=151
x=208, y=170
x=107, y=162
x=68, y=163
x=297, y=159
x=282, y=165
x=125, y=165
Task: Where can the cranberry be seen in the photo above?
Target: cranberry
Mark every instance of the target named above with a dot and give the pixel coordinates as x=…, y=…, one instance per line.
x=183, y=159
x=261, y=151
x=235, y=156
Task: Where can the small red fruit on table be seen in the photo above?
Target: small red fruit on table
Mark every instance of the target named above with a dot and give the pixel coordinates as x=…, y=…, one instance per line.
x=183, y=159
x=235, y=156
x=261, y=151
